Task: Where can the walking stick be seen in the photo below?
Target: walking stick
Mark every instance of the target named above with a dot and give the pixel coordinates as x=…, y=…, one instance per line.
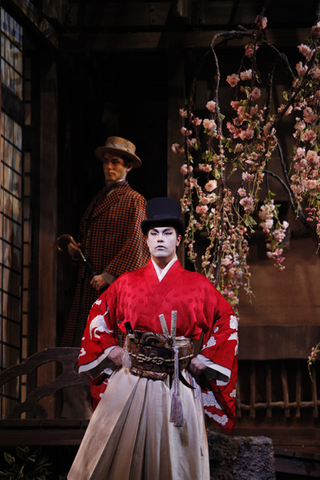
x=86, y=262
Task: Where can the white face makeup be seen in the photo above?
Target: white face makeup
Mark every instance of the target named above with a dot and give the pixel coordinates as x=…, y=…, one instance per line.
x=162, y=243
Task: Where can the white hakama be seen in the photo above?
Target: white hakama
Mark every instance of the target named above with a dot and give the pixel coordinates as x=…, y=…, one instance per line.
x=130, y=437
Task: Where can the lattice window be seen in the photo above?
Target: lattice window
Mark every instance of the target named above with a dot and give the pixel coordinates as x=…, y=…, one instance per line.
x=11, y=204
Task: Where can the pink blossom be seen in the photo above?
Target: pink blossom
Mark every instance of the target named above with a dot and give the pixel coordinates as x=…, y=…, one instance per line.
x=211, y=106
x=183, y=113
x=296, y=189
x=289, y=110
x=201, y=209
x=184, y=169
x=316, y=30
x=184, y=131
x=242, y=135
x=197, y=121
x=255, y=94
x=246, y=134
x=234, y=105
x=250, y=49
x=241, y=111
x=236, y=133
x=253, y=110
x=306, y=51
x=316, y=73
x=191, y=141
x=246, y=75
x=227, y=261
x=309, y=116
x=312, y=157
x=233, y=79
x=266, y=211
x=267, y=225
x=176, y=148
x=300, y=125
x=301, y=166
x=309, y=136
x=300, y=152
x=204, y=200
x=205, y=167
x=310, y=184
x=248, y=204
x=242, y=192
x=279, y=234
x=249, y=133
x=209, y=124
x=263, y=21
x=301, y=69
x=231, y=127
x=247, y=177
x=211, y=185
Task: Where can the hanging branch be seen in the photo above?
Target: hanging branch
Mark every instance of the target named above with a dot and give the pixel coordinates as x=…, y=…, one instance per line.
x=219, y=148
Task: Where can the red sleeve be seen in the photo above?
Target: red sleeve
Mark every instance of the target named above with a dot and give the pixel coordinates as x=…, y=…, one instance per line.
x=220, y=345
x=100, y=332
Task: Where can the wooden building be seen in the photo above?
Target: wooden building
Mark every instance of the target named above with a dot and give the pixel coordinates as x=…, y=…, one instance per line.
x=74, y=72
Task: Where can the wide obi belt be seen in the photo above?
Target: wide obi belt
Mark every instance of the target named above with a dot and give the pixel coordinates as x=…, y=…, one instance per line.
x=152, y=355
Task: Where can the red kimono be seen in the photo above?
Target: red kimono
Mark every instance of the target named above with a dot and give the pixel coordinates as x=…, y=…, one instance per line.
x=139, y=297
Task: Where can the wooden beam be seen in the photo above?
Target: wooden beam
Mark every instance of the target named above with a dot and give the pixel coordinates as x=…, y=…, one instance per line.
x=99, y=14
x=283, y=436
x=127, y=14
x=277, y=342
x=146, y=41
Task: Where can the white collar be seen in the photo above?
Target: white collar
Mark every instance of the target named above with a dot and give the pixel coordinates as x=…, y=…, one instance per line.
x=162, y=272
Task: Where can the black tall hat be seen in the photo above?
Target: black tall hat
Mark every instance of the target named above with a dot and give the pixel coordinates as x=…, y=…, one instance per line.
x=163, y=212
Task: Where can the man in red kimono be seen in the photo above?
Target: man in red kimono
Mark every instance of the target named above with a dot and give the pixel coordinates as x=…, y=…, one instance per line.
x=149, y=422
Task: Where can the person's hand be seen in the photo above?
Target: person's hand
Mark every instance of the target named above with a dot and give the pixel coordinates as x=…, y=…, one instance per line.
x=73, y=250
x=196, y=366
x=98, y=282
x=116, y=355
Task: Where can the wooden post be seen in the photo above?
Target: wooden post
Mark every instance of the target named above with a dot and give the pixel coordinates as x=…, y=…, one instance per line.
x=47, y=218
x=176, y=97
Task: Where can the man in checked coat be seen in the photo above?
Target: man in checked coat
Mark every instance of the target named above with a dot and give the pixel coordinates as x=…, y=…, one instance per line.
x=110, y=236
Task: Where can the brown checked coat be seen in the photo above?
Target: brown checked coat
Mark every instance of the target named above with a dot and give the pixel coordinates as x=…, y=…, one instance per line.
x=112, y=241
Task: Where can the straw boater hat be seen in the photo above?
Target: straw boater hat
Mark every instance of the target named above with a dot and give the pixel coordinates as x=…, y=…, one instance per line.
x=121, y=147
x=163, y=212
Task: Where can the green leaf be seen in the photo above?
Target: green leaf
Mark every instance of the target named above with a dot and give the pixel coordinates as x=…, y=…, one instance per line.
x=22, y=453
x=43, y=459
x=249, y=221
x=9, y=458
x=286, y=95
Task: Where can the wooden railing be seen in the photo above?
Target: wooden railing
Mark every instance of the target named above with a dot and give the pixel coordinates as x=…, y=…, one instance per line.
x=283, y=385
x=275, y=398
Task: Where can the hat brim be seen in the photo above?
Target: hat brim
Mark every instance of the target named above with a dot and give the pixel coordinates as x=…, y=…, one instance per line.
x=176, y=223
x=101, y=151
